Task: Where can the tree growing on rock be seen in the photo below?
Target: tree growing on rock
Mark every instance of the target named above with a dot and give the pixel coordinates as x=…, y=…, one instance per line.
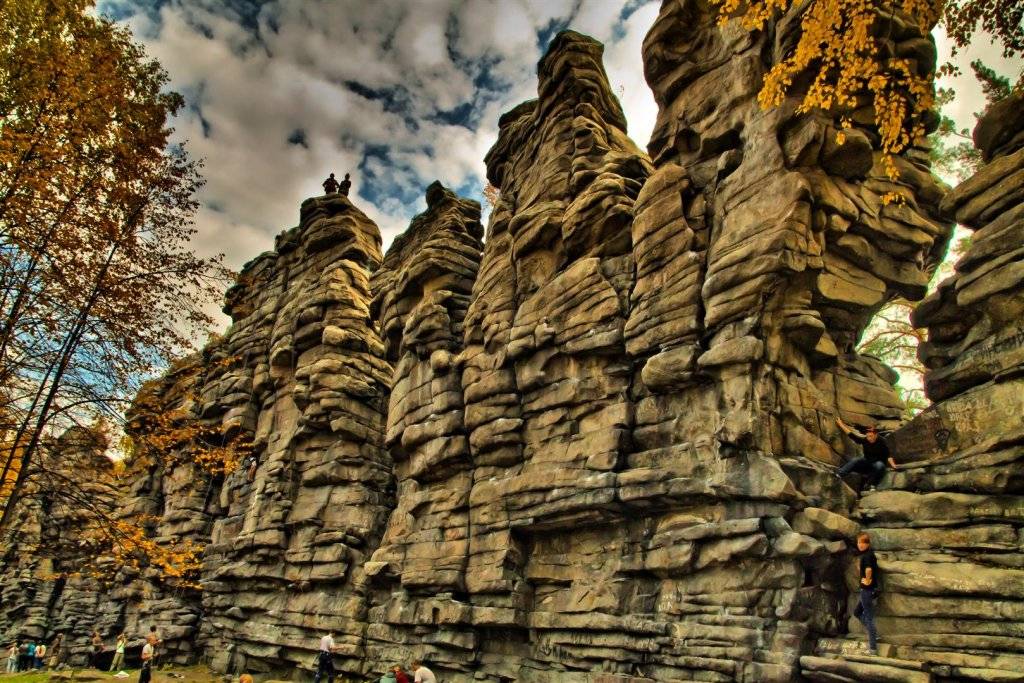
x=99, y=285
x=846, y=59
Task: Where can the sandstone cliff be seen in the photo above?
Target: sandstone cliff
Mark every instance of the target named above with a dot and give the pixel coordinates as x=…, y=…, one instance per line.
x=601, y=440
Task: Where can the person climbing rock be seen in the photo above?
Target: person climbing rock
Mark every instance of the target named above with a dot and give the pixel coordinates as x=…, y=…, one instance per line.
x=345, y=185
x=251, y=463
x=325, y=659
x=869, y=581
x=56, y=651
x=876, y=458
x=331, y=185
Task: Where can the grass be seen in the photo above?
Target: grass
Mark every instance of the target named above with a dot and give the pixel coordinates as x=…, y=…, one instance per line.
x=189, y=674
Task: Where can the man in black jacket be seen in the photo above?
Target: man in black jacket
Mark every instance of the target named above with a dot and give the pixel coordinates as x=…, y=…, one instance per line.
x=876, y=459
x=865, y=610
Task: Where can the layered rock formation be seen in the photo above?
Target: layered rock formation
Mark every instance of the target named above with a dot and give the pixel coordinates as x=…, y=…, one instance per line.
x=601, y=441
x=43, y=588
x=950, y=529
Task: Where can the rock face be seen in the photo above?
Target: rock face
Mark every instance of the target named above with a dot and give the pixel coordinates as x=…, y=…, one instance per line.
x=49, y=537
x=305, y=373
x=950, y=530
x=600, y=443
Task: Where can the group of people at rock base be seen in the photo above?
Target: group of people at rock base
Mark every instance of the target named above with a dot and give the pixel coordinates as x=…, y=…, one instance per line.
x=149, y=652
x=325, y=667
x=29, y=655
x=873, y=465
x=26, y=656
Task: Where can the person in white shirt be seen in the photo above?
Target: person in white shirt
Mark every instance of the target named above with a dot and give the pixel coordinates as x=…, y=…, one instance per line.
x=325, y=659
x=421, y=673
x=147, y=663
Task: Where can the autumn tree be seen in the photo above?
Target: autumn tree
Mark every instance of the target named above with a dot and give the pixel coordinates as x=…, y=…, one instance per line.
x=99, y=286
x=891, y=337
x=845, y=57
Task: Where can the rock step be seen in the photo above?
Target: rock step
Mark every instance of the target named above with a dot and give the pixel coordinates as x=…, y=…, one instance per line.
x=863, y=669
x=941, y=667
x=846, y=647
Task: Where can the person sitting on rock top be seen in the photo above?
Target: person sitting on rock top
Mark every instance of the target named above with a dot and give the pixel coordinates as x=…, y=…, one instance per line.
x=422, y=674
x=876, y=455
x=865, y=610
x=345, y=185
x=330, y=185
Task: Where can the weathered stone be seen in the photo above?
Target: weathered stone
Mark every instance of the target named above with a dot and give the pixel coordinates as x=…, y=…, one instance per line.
x=601, y=444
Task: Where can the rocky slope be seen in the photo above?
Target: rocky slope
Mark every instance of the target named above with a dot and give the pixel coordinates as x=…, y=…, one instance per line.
x=601, y=441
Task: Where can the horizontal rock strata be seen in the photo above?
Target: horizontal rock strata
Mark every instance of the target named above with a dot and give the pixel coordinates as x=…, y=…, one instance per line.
x=600, y=442
x=950, y=531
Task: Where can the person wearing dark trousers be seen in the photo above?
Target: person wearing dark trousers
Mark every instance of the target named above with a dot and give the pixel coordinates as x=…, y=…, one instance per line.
x=876, y=458
x=325, y=659
x=146, y=674
x=865, y=609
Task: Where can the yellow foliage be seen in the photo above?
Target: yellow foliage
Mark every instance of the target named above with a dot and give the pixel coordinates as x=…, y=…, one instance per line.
x=127, y=544
x=843, y=57
x=174, y=436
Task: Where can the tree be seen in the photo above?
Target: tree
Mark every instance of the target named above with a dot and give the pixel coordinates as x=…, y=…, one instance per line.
x=99, y=286
x=952, y=150
x=890, y=336
x=846, y=56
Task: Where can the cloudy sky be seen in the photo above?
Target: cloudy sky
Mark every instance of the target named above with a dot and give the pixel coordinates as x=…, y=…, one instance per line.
x=398, y=92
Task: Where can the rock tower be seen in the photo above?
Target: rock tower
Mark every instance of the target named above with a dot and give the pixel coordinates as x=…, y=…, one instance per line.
x=598, y=441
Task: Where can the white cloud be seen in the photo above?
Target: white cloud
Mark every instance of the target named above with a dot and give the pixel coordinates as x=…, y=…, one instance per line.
x=624, y=63
x=254, y=83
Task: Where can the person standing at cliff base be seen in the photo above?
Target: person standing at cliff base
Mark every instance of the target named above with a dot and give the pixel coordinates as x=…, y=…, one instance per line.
x=865, y=610
x=118, y=661
x=876, y=455
x=40, y=655
x=12, y=658
x=148, y=652
x=325, y=659
x=156, y=642
x=97, y=649
x=422, y=674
